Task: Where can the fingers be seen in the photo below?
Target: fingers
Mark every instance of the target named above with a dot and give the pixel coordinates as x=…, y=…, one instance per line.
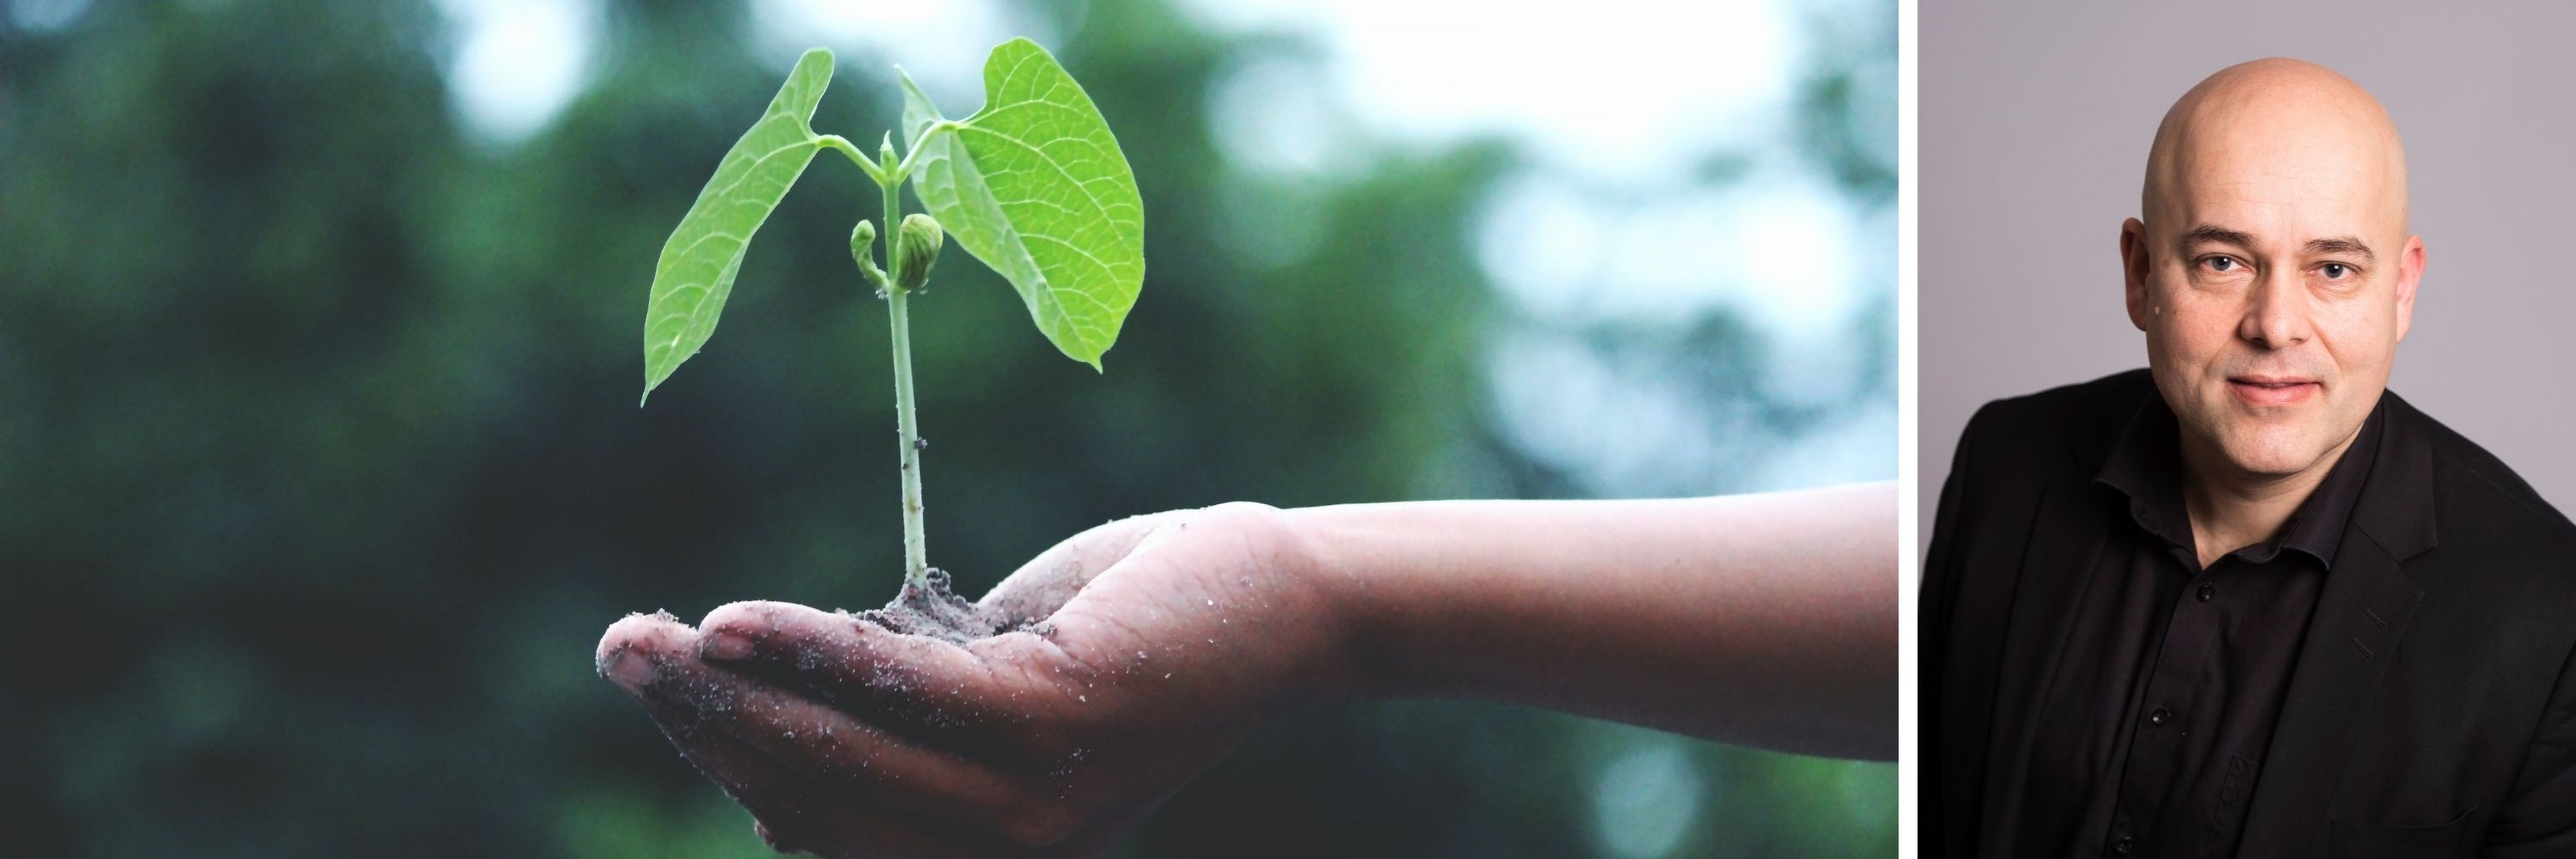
x=980, y=701
x=802, y=768
x=794, y=814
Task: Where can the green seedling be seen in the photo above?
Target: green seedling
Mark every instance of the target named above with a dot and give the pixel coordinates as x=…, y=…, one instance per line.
x=1033, y=185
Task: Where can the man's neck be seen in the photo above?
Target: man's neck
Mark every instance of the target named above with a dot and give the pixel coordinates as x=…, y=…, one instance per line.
x=2232, y=508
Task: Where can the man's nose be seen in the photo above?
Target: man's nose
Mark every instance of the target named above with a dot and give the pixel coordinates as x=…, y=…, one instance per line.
x=2276, y=311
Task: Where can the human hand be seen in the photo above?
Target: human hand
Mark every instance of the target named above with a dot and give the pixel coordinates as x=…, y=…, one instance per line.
x=1152, y=646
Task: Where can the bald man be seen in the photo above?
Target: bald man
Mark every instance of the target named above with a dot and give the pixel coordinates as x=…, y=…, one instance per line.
x=2246, y=601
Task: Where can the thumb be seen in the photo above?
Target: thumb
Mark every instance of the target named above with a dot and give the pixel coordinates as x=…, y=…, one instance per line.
x=1034, y=591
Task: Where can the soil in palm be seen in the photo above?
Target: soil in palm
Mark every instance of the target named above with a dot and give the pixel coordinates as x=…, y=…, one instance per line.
x=935, y=610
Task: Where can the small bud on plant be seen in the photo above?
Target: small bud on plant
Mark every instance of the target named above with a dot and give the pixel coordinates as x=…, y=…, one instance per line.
x=863, y=241
x=863, y=245
x=916, y=246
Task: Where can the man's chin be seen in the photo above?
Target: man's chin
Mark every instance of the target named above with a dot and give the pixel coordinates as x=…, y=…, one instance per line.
x=2271, y=454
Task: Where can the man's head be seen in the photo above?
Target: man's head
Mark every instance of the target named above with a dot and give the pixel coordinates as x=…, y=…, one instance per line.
x=2273, y=272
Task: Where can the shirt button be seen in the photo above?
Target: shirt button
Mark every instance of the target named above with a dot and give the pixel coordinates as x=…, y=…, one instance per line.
x=2124, y=846
x=2207, y=592
x=2160, y=717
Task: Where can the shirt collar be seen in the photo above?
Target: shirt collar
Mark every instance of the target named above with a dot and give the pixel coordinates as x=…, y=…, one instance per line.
x=2146, y=465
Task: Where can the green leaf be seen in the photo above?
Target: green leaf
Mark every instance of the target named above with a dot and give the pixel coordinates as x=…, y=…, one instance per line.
x=698, y=263
x=918, y=113
x=1036, y=187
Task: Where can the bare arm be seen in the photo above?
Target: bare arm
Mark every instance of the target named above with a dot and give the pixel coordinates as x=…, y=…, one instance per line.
x=1764, y=620
x=1155, y=644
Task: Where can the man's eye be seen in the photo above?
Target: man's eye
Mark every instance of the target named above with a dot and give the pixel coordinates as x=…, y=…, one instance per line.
x=2336, y=270
x=2222, y=263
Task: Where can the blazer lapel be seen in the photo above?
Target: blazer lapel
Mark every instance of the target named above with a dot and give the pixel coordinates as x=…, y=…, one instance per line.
x=2360, y=618
x=2359, y=621
x=2065, y=536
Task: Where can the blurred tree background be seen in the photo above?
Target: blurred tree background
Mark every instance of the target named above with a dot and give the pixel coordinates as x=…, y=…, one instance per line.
x=321, y=470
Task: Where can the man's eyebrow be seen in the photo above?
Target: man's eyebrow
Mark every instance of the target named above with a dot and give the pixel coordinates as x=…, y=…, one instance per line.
x=2215, y=233
x=2346, y=245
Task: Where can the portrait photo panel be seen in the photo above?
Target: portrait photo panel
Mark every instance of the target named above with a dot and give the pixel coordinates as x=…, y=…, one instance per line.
x=2241, y=450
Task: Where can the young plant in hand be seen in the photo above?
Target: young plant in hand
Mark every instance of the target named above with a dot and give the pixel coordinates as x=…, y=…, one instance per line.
x=1034, y=185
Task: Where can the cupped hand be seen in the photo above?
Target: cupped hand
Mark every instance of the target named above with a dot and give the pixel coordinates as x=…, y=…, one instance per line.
x=1151, y=646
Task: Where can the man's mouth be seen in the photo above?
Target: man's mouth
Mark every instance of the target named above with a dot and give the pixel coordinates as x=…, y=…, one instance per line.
x=2272, y=390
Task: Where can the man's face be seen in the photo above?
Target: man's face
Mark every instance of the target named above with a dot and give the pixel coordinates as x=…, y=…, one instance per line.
x=2273, y=278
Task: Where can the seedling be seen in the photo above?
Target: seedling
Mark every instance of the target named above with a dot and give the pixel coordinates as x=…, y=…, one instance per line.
x=1034, y=185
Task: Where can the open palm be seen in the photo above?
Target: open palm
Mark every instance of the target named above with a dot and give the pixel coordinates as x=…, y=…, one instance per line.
x=1144, y=649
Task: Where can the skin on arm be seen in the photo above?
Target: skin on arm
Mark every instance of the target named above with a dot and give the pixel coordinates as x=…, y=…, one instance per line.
x=1761, y=620
x=1159, y=642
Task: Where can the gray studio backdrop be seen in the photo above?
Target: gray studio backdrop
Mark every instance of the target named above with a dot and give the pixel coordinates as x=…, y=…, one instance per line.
x=2035, y=123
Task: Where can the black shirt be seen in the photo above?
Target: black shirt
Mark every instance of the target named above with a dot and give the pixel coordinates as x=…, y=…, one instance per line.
x=2151, y=736
x=2432, y=706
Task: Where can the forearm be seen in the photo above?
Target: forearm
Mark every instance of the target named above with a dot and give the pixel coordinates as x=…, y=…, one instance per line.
x=1765, y=620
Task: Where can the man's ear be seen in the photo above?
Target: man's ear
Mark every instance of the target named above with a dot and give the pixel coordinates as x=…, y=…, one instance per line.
x=2133, y=266
x=2410, y=271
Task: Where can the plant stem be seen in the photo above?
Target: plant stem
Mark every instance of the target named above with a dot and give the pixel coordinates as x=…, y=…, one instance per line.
x=915, y=555
x=835, y=141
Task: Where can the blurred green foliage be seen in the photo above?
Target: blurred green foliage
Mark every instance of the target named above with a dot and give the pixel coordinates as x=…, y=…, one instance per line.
x=320, y=469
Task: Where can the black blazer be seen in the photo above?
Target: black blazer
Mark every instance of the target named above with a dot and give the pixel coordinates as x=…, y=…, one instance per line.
x=2432, y=711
